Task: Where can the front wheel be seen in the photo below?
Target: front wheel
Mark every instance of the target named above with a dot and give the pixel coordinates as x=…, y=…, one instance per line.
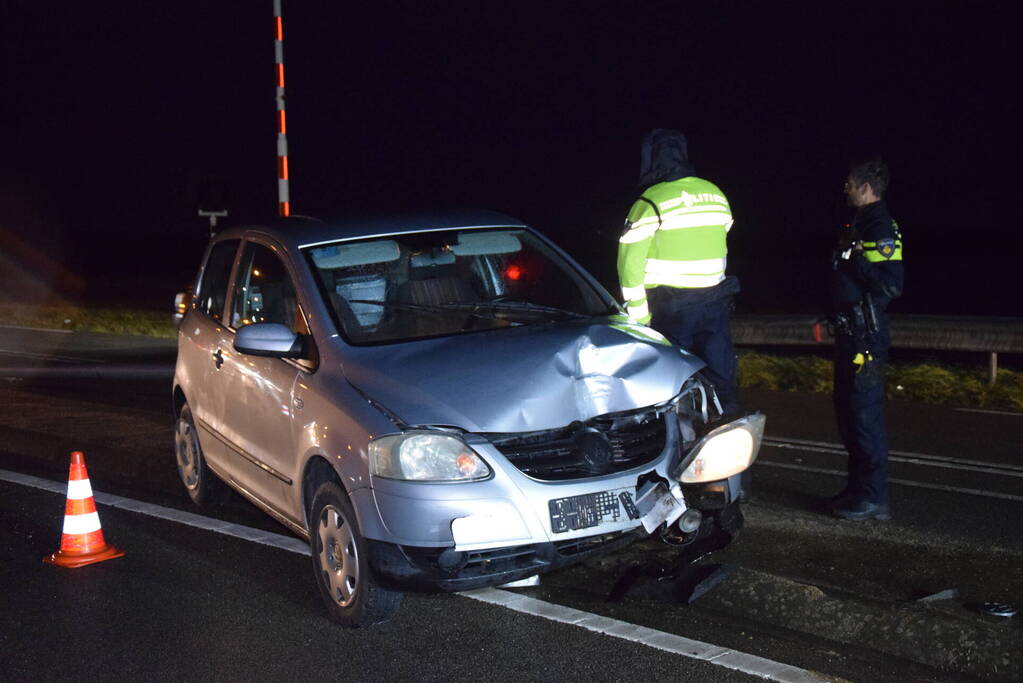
x=341, y=563
x=204, y=488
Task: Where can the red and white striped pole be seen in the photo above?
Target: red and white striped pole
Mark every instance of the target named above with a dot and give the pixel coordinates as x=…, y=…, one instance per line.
x=283, y=199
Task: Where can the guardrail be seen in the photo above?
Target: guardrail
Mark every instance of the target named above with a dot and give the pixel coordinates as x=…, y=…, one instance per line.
x=926, y=332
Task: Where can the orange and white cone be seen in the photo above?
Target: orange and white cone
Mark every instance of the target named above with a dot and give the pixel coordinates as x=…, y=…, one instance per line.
x=82, y=542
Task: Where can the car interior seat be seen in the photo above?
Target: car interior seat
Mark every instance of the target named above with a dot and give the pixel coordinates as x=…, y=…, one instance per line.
x=350, y=323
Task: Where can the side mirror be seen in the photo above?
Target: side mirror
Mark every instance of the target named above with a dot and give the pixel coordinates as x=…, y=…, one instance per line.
x=182, y=302
x=268, y=339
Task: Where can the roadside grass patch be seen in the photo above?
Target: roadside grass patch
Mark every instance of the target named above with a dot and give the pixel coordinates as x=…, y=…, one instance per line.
x=785, y=373
x=922, y=382
x=110, y=320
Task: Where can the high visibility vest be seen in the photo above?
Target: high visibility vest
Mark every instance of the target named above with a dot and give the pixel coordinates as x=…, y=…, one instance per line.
x=675, y=237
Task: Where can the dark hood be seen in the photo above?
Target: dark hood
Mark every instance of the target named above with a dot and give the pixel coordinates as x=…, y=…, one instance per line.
x=664, y=156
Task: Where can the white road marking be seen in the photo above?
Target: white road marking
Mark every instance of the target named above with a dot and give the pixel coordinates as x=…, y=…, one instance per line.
x=243, y=532
x=990, y=412
x=903, y=482
x=34, y=329
x=944, y=461
x=661, y=640
x=669, y=642
x=48, y=356
x=101, y=370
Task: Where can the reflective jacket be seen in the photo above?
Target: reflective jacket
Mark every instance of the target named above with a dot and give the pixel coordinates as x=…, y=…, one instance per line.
x=675, y=237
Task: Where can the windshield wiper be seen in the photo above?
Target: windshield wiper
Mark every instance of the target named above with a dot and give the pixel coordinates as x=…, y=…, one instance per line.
x=498, y=307
x=402, y=306
x=494, y=310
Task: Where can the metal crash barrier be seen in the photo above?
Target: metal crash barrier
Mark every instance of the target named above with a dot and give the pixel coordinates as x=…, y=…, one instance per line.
x=925, y=332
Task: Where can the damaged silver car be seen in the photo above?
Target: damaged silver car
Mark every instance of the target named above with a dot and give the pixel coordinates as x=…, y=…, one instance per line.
x=441, y=403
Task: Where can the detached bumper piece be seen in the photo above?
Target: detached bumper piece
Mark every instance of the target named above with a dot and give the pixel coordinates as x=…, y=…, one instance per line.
x=444, y=569
x=683, y=579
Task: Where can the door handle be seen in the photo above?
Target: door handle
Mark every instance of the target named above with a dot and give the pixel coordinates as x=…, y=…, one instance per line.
x=218, y=358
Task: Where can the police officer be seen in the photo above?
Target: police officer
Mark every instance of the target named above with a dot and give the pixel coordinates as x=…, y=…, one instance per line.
x=671, y=259
x=867, y=274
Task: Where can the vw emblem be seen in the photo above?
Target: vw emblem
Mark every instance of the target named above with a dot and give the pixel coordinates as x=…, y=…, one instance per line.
x=594, y=450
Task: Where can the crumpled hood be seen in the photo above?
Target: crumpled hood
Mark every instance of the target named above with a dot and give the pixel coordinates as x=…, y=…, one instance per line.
x=521, y=379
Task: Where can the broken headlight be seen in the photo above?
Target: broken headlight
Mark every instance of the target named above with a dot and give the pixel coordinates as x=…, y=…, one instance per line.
x=425, y=456
x=725, y=451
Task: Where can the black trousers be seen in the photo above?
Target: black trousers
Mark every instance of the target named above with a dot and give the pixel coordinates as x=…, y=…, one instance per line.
x=859, y=395
x=702, y=329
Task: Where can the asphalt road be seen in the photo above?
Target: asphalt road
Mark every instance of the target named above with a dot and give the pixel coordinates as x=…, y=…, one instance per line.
x=185, y=604
x=807, y=590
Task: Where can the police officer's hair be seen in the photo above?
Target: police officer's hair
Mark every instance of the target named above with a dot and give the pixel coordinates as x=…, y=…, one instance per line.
x=873, y=172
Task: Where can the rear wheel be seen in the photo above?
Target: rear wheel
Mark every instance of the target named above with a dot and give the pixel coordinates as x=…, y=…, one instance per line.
x=341, y=563
x=204, y=488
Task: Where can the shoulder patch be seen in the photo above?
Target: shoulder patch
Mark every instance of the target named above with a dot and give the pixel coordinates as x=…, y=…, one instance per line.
x=886, y=247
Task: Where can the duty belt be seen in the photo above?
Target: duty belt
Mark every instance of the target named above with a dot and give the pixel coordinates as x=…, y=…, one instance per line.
x=859, y=321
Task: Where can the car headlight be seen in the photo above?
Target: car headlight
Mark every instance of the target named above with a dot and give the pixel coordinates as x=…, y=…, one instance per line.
x=725, y=451
x=425, y=456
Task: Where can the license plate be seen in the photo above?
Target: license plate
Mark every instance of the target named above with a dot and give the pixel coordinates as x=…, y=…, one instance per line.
x=585, y=511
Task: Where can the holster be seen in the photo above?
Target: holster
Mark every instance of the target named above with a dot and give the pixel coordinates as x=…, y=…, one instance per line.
x=851, y=324
x=859, y=321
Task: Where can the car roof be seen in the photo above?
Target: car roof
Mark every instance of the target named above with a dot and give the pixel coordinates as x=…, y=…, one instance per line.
x=302, y=231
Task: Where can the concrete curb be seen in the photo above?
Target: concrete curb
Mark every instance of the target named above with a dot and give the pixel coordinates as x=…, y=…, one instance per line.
x=921, y=632
x=98, y=371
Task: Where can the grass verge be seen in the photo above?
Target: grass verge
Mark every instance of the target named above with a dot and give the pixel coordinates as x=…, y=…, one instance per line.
x=923, y=382
x=79, y=319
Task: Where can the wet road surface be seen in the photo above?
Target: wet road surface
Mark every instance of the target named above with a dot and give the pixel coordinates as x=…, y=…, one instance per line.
x=808, y=590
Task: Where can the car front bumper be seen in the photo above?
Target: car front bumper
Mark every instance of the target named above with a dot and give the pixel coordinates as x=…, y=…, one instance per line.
x=511, y=508
x=413, y=568
x=458, y=536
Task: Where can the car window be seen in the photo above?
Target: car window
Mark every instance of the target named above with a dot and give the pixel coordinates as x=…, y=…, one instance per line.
x=263, y=291
x=445, y=282
x=215, y=276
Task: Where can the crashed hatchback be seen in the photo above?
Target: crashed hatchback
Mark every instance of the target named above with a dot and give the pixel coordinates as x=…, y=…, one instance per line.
x=441, y=402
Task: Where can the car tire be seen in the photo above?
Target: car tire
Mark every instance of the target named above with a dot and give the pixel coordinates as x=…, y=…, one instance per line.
x=204, y=488
x=341, y=563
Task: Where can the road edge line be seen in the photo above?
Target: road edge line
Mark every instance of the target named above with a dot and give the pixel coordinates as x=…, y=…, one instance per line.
x=901, y=482
x=910, y=456
x=34, y=329
x=661, y=640
x=615, y=628
x=245, y=533
x=105, y=371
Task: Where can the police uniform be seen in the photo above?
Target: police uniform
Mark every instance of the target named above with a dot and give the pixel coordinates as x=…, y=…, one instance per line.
x=671, y=266
x=867, y=273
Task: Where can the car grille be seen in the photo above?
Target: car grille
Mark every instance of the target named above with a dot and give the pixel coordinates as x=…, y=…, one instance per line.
x=635, y=439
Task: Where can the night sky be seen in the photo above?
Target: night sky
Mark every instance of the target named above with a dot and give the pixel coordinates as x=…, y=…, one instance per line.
x=126, y=117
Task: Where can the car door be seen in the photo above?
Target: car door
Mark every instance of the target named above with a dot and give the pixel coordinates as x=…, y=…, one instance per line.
x=199, y=357
x=259, y=390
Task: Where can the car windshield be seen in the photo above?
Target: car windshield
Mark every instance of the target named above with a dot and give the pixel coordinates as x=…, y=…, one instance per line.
x=430, y=284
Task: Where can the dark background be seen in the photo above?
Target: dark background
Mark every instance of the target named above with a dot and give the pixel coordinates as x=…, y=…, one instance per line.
x=127, y=117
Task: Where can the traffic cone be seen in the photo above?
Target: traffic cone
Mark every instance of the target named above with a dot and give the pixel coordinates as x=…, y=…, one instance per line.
x=82, y=541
